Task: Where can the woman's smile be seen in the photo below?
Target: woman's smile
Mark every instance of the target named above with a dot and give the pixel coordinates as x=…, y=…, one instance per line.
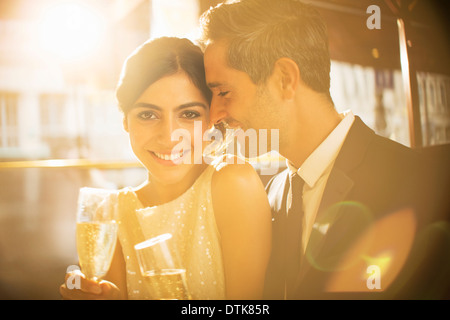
x=171, y=158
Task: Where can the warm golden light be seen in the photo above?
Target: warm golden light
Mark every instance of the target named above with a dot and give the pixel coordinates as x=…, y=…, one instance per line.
x=70, y=30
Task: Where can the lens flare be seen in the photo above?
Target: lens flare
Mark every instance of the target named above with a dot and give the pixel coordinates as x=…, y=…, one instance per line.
x=325, y=247
x=384, y=246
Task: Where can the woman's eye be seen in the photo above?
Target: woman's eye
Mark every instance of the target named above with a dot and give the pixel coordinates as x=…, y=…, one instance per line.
x=190, y=115
x=146, y=115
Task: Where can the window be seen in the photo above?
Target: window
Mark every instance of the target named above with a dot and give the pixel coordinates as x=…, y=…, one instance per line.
x=52, y=107
x=9, y=120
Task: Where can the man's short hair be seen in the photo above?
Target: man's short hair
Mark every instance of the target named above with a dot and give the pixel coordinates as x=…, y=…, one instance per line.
x=259, y=32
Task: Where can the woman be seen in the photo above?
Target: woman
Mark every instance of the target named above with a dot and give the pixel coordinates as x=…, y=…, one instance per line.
x=219, y=215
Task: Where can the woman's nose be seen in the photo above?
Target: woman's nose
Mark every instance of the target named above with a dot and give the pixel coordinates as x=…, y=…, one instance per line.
x=166, y=130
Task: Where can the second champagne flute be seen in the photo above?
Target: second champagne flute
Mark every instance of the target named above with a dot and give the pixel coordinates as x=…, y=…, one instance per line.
x=160, y=266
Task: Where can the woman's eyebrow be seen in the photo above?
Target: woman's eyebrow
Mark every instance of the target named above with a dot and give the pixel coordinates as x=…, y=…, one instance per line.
x=180, y=107
x=146, y=105
x=192, y=104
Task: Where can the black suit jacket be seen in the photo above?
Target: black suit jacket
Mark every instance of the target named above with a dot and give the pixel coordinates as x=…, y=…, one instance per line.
x=374, y=181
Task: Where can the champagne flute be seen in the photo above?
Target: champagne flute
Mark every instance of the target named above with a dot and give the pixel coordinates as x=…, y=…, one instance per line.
x=160, y=266
x=96, y=231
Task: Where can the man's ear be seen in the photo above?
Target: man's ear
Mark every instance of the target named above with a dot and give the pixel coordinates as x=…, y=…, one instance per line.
x=125, y=123
x=288, y=75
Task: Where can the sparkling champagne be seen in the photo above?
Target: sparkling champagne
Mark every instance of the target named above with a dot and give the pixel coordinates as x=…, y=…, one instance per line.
x=95, y=245
x=168, y=284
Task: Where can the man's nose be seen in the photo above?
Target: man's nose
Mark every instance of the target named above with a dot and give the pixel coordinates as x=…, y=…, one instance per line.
x=217, y=113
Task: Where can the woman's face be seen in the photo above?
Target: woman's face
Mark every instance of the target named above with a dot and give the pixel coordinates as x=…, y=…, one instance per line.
x=161, y=127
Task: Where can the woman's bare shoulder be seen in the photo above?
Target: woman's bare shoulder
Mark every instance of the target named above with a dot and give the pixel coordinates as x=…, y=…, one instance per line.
x=237, y=190
x=235, y=172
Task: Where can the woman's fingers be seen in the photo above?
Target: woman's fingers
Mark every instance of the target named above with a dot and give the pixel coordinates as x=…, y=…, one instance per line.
x=76, y=286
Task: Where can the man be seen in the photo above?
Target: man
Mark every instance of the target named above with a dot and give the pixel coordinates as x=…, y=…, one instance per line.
x=351, y=225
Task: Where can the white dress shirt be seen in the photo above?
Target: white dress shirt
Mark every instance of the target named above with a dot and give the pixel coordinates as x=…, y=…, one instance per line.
x=316, y=170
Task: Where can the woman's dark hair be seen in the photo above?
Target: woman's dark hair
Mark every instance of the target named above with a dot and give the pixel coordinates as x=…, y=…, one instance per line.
x=156, y=59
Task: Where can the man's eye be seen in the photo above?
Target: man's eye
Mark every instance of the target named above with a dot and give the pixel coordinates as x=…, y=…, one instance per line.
x=223, y=93
x=190, y=115
x=146, y=115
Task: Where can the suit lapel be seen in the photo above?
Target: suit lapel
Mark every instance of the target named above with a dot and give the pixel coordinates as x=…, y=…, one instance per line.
x=338, y=187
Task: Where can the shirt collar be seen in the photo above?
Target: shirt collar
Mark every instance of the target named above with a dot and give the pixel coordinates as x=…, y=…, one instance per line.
x=325, y=154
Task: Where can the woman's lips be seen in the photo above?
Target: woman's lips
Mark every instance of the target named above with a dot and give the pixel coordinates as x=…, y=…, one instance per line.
x=169, y=158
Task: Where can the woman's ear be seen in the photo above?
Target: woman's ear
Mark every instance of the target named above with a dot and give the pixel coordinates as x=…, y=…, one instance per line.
x=125, y=123
x=288, y=75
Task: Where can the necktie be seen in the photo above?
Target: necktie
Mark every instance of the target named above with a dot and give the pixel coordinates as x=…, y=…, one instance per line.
x=294, y=228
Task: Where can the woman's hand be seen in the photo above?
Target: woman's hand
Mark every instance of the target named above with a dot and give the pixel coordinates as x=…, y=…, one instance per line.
x=86, y=289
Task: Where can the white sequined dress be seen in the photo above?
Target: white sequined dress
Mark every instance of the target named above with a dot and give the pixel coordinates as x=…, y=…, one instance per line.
x=190, y=219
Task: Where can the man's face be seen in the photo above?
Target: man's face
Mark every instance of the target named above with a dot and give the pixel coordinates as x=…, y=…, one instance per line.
x=236, y=99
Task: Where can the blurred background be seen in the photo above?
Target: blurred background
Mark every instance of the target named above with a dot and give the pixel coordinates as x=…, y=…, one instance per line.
x=60, y=127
